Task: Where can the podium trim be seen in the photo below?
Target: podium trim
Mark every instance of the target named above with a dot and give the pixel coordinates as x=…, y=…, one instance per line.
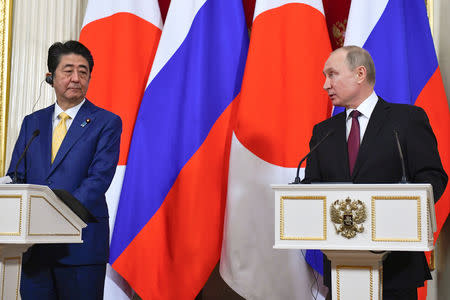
x=57, y=210
x=338, y=288
x=19, y=264
x=380, y=276
x=20, y=216
x=419, y=215
x=283, y=237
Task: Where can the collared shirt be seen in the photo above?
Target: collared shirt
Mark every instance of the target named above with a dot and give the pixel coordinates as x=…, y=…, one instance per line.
x=72, y=112
x=366, y=109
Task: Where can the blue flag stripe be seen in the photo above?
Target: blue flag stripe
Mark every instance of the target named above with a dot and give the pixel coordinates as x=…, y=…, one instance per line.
x=402, y=48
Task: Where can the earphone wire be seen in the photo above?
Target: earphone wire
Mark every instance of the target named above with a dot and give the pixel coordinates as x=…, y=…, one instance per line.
x=39, y=97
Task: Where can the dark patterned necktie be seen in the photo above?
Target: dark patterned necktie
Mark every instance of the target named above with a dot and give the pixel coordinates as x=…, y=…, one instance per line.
x=353, y=140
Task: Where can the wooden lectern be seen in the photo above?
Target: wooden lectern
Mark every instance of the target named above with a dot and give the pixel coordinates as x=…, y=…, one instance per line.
x=30, y=214
x=354, y=224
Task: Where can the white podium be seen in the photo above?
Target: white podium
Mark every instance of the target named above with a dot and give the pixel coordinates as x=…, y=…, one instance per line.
x=354, y=224
x=30, y=214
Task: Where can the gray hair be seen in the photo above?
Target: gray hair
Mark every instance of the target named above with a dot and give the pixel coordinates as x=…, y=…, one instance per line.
x=356, y=57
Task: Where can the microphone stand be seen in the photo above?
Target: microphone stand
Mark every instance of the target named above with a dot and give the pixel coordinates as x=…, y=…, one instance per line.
x=297, y=177
x=35, y=134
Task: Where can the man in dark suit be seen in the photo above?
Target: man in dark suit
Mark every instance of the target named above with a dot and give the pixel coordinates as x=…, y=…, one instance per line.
x=77, y=150
x=362, y=149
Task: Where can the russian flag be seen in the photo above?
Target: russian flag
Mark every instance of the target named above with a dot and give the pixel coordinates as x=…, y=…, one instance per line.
x=168, y=231
x=281, y=100
x=123, y=37
x=397, y=35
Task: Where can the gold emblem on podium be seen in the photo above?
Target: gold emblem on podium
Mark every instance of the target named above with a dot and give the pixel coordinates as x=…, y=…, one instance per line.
x=348, y=216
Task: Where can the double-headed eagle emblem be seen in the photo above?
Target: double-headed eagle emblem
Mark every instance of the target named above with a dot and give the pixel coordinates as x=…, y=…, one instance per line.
x=348, y=216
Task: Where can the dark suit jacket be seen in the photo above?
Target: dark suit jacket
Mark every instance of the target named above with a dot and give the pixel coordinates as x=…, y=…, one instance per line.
x=84, y=166
x=378, y=161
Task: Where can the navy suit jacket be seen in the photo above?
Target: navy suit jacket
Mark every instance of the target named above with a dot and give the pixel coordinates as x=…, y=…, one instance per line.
x=378, y=161
x=84, y=166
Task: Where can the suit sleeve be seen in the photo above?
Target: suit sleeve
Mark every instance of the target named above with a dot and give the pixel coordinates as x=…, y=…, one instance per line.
x=423, y=158
x=312, y=170
x=92, y=189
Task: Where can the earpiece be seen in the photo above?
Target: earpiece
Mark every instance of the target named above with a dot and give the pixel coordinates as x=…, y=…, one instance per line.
x=49, y=79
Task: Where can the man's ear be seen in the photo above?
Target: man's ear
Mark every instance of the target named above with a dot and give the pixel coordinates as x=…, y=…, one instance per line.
x=361, y=74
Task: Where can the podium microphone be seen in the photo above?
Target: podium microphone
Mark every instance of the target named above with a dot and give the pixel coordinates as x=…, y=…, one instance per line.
x=297, y=178
x=35, y=134
x=402, y=160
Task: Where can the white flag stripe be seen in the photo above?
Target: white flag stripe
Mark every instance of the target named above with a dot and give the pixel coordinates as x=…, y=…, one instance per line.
x=116, y=288
x=264, y=5
x=147, y=10
x=175, y=31
x=362, y=19
x=247, y=251
x=113, y=196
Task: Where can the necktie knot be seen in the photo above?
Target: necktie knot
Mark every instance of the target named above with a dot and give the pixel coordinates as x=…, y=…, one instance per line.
x=63, y=116
x=355, y=114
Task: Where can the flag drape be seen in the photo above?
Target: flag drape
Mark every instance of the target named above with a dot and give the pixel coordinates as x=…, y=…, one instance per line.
x=169, y=225
x=281, y=100
x=181, y=173
x=122, y=36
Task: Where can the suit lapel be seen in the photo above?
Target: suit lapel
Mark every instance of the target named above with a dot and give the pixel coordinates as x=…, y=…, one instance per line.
x=377, y=120
x=46, y=130
x=77, y=129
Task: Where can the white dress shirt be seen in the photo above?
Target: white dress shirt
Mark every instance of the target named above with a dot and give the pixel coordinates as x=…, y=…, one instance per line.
x=72, y=112
x=366, y=109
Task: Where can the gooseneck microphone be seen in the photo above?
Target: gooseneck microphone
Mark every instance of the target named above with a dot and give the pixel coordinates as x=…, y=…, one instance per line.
x=297, y=178
x=402, y=160
x=35, y=134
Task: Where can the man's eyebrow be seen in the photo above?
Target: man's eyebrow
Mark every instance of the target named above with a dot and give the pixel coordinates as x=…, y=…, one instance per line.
x=328, y=70
x=72, y=65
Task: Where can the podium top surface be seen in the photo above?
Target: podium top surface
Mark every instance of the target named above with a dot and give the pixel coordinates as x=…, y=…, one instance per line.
x=34, y=214
x=27, y=186
x=358, y=186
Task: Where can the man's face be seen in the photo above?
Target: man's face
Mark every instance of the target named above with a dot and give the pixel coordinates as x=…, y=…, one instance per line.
x=340, y=82
x=71, y=79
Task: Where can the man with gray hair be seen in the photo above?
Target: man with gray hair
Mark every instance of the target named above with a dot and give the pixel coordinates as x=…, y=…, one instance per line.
x=362, y=149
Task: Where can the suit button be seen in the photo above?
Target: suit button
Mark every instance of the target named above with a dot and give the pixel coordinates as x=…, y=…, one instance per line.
x=49, y=182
